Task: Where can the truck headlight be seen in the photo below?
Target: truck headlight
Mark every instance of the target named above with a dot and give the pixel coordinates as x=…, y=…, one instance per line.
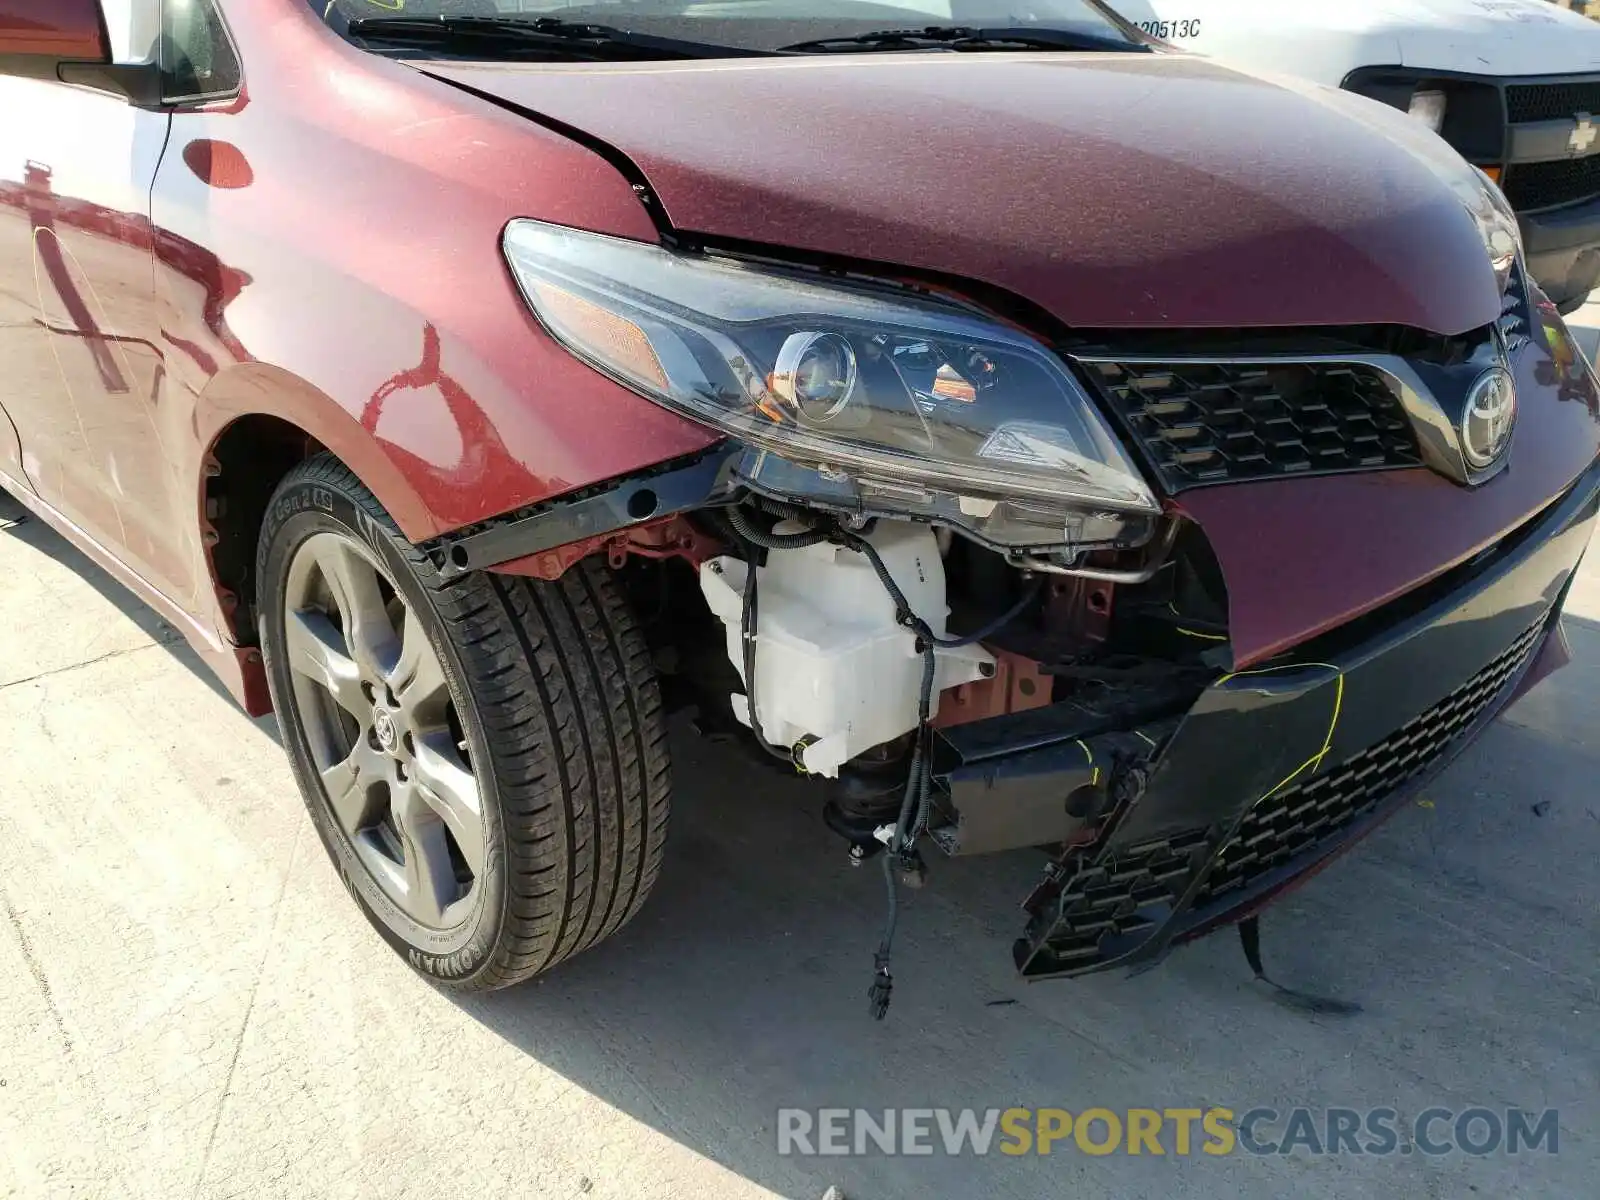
x=1428, y=106
x=837, y=377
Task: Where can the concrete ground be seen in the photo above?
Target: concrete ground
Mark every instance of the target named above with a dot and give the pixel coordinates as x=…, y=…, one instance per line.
x=190, y=1006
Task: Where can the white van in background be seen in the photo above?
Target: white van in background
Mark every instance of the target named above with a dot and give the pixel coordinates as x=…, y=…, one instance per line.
x=1514, y=85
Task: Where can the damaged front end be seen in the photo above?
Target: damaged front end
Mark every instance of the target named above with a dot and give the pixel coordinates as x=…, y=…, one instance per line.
x=1190, y=612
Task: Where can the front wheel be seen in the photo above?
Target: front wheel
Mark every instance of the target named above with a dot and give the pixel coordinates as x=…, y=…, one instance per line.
x=485, y=760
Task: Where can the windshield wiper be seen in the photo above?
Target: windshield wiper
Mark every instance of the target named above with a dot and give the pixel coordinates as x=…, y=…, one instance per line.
x=965, y=37
x=545, y=35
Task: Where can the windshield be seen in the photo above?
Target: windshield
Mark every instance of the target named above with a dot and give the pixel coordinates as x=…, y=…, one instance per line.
x=763, y=24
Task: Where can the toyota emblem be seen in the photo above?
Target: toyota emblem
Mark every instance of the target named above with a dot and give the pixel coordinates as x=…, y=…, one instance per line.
x=383, y=726
x=1487, y=418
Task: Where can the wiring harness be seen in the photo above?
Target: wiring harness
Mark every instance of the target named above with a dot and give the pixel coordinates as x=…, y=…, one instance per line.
x=900, y=838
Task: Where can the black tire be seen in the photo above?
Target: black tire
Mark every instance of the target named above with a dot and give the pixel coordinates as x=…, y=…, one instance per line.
x=554, y=689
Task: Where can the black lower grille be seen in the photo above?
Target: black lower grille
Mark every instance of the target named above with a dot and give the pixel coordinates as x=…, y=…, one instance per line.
x=1283, y=826
x=1202, y=423
x=1119, y=896
x=1552, y=101
x=1532, y=186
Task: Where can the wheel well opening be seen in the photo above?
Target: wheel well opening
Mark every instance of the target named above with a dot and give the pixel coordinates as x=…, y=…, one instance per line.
x=244, y=468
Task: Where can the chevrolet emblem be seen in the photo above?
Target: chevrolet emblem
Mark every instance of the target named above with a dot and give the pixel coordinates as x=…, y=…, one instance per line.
x=1584, y=135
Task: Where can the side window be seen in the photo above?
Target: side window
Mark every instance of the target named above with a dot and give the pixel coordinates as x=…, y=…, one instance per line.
x=197, y=56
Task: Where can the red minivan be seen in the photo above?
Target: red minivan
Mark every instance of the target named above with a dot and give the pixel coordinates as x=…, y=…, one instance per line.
x=1029, y=435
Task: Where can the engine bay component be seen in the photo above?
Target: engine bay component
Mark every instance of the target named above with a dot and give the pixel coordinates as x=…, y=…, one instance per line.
x=598, y=512
x=1018, y=684
x=1048, y=776
x=1056, y=795
x=837, y=673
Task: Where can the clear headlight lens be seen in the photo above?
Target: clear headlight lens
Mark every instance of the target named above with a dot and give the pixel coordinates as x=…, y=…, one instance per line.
x=837, y=378
x=1496, y=221
x=1428, y=107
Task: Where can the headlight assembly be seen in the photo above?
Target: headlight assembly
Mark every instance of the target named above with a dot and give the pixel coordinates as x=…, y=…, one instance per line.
x=1496, y=222
x=906, y=391
x=1428, y=106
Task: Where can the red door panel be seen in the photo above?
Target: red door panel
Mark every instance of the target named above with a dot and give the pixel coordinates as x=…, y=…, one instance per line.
x=77, y=323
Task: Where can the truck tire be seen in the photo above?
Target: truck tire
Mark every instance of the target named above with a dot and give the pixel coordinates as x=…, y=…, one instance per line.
x=485, y=760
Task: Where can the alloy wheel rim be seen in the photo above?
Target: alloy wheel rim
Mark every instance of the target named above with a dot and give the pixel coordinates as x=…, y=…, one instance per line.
x=384, y=732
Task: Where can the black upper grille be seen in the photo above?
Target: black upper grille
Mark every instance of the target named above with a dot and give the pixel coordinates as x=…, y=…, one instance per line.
x=1532, y=186
x=1551, y=101
x=1221, y=423
x=1294, y=820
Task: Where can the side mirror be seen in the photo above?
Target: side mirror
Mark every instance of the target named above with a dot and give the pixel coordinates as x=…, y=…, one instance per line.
x=65, y=41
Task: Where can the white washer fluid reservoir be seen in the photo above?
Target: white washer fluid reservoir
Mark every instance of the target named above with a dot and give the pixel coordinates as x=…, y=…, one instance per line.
x=831, y=663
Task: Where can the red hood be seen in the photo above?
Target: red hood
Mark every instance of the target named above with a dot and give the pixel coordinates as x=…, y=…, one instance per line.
x=1110, y=190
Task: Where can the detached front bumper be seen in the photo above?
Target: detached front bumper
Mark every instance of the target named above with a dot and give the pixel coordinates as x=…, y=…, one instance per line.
x=1563, y=252
x=1275, y=771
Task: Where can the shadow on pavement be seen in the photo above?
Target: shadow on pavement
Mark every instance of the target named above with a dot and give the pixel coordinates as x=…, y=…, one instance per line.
x=18, y=523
